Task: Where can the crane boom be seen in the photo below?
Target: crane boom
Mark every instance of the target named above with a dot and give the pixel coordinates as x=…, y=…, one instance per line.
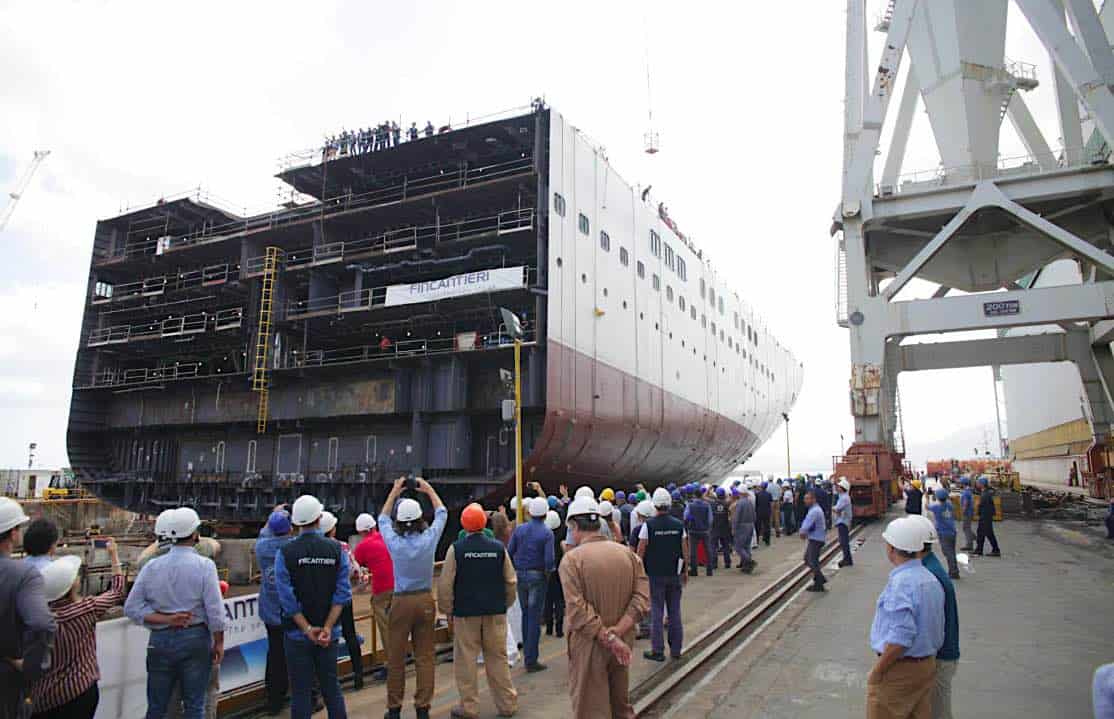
x=17, y=192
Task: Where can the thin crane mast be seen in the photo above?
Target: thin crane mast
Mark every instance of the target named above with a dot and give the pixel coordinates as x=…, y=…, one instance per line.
x=21, y=186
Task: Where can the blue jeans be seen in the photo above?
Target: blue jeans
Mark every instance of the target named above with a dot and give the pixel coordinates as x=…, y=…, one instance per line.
x=178, y=657
x=665, y=598
x=787, y=520
x=305, y=661
x=531, y=598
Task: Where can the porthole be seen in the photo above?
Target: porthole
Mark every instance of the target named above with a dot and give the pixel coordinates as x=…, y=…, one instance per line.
x=624, y=304
x=584, y=278
x=558, y=261
x=605, y=292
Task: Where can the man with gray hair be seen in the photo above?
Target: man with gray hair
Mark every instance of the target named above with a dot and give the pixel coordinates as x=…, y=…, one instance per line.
x=742, y=526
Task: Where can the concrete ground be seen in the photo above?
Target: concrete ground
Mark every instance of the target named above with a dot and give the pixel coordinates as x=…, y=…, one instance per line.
x=1033, y=627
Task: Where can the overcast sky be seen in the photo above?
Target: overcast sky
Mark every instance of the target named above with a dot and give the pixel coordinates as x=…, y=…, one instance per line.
x=136, y=100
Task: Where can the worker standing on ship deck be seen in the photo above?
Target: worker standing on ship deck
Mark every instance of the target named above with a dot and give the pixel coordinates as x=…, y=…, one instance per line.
x=907, y=631
x=814, y=531
x=312, y=577
x=532, y=554
x=177, y=596
x=721, y=528
x=606, y=594
x=371, y=554
x=967, y=510
x=843, y=516
x=698, y=522
x=986, y=520
x=476, y=588
x=661, y=546
x=412, y=545
x=274, y=535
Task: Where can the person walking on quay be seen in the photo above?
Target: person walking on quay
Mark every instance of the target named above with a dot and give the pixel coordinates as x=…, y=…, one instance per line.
x=412, y=545
x=347, y=618
x=68, y=690
x=477, y=586
x=763, y=510
x=944, y=516
x=721, y=527
x=843, y=516
x=274, y=535
x=312, y=576
x=986, y=520
x=27, y=626
x=177, y=596
x=606, y=594
x=742, y=527
x=947, y=658
x=661, y=546
x=814, y=530
x=371, y=554
x=788, y=502
x=907, y=631
x=967, y=511
x=532, y=553
x=698, y=522
x=913, y=497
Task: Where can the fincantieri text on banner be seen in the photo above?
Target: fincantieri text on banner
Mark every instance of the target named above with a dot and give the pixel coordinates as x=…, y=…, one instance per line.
x=469, y=283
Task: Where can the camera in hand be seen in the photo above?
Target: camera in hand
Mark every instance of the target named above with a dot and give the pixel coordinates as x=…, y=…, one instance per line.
x=411, y=483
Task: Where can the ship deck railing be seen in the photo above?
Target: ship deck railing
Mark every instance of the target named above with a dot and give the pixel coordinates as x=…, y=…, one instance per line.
x=191, y=324
x=156, y=285
x=405, y=189
x=459, y=342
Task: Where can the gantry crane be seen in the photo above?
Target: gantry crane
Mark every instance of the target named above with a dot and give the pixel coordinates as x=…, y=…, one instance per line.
x=17, y=192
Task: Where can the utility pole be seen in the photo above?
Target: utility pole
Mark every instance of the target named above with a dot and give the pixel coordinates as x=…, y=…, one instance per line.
x=514, y=329
x=788, y=472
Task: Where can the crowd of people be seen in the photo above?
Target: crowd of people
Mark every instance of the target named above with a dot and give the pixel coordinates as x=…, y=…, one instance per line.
x=372, y=139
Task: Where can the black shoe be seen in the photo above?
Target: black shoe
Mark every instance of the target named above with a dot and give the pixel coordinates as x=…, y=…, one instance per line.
x=966, y=548
x=549, y=630
x=953, y=575
x=357, y=682
x=843, y=563
x=996, y=553
x=535, y=667
x=421, y=713
x=393, y=714
x=976, y=553
x=816, y=588
x=675, y=657
x=654, y=656
x=560, y=631
x=693, y=573
x=380, y=675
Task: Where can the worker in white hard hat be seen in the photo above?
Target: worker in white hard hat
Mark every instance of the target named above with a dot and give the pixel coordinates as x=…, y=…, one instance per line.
x=663, y=546
x=27, y=626
x=843, y=515
x=584, y=491
x=533, y=555
x=69, y=687
x=606, y=594
x=206, y=546
x=312, y=578
x=908, y=628
x=374, y=560
x=347, y=617
x=947, y=658
x=554, y=611
x=412, y=545
x=177, y=596
x=608, y=527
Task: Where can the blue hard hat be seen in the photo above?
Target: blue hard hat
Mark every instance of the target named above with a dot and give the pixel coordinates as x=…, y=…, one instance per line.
x=279, y=523
x=735, y=492
x=552, y=501
x=620, y=496
x=736, y=483
x=964, y=480
x=671, y=486
x=721, y=492
x=941, y=493
x=983, y=481
x=765, y=484
x=675, y=494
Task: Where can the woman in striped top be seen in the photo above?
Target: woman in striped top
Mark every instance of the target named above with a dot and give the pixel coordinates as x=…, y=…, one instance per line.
x=69, y=688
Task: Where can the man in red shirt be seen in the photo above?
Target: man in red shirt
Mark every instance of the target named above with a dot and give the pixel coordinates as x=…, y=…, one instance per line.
x=371, y=554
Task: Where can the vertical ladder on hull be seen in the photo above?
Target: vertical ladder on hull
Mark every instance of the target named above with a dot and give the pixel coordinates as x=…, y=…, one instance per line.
x=841, y=283
x=261, y=373
x=899, y=435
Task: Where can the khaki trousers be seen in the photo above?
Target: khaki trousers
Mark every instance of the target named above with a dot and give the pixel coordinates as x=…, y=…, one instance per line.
x=905, y=691
x=598, y=685
x=410, y=619
x=487, y=634
x=942, y=701
x=380, y=609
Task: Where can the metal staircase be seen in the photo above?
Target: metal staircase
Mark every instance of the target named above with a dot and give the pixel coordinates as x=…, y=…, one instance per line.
x=261, y=371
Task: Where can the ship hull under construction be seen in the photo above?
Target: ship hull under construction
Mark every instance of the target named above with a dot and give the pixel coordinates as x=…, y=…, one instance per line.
x=231, y=363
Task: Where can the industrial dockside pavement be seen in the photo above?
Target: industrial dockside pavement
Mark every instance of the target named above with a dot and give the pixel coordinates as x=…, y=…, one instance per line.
x=545, y=694
x=1034, y=624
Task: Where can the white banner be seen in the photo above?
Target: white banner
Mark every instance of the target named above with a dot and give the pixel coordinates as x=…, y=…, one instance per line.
x=470, y=283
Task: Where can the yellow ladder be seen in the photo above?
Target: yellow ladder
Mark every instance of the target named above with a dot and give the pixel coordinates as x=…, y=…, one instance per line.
x=261, y=374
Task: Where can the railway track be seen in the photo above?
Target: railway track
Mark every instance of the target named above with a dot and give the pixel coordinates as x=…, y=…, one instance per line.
x=662, y=690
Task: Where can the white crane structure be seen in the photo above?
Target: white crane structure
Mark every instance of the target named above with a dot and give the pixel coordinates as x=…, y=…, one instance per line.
x=976, y=224
x=20, y=187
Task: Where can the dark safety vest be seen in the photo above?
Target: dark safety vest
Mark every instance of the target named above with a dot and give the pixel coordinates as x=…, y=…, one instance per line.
x=312, y=561
x=678, y=509
x=479, y=588
x=699, y=516
x=721, y=518
x=663, y=545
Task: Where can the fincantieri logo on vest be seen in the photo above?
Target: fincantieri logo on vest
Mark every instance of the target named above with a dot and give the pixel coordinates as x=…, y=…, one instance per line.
x=317, y=560
x=481, y=555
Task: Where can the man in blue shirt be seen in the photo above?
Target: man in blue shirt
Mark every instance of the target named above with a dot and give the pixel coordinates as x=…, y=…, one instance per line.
x=531, y=552
x=947, y=658
x=944, y=515
x=843, y=515
x=274, y=535
x=814, y=530
x=698, y=522
x=311, y=576
x=967, y=511
x=412, y=545
x=908, y=628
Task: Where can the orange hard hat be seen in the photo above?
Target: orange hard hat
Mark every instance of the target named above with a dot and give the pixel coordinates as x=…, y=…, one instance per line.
x=473, y=518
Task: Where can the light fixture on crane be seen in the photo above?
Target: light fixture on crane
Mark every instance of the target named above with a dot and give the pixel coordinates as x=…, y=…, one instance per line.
x=21, y=186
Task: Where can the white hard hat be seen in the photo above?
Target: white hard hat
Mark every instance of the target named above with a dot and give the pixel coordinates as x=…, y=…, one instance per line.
x=514, y=504
x=606, y=508
x=662, y=498
x=408, y=510
x=162, y=524
x=583, y=506
x=365, y=522
x=11, y=514
x=328, y=521
x=926, y=525
x=59, y=576
x=645, y=508
x=306, y=510
x=585, y=491
x=537, y=506
x=845, y=484
x=182, y=523
x=552, y=520
x=906, y=534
